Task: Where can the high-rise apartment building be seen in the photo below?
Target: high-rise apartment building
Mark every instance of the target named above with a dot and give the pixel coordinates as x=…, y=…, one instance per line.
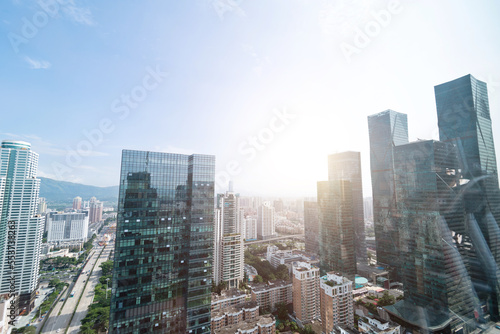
x=95, y=210
x=21, y=229
x=265, y=221
x=387, y=130
x=162, y=270
x=347, y=166
x=228, y=243
x=250, y=228
x=77, y=203
x=464, y=120
x=42, y=206
x=311, y=226
x=305, y=283
x=336, y=302
x=436, y=282
x=67, y=227
x=336, y=247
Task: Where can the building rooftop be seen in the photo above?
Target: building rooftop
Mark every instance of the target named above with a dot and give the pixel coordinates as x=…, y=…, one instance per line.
x=270, y=285
x=263, y=320
x=227, y=294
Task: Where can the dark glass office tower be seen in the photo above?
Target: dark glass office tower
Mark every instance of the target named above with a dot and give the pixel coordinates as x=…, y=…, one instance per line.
x=336, y=247
x=162, y=272
x=439, y=295
x=464, y=120
x=347, y=166
x=387, y=130
x=311, y=226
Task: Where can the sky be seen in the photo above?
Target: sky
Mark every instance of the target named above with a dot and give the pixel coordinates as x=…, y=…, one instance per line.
x=270, y=87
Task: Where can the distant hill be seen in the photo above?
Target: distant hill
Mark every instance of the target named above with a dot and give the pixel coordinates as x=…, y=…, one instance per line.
x=63, y=192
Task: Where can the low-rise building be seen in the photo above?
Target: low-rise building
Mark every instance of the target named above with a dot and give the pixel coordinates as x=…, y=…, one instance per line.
x=267, y=295
x=336, y=302
x=234, y=315
x=265, y=324
x=228, y=298
x=277, y=257
x=375, y=325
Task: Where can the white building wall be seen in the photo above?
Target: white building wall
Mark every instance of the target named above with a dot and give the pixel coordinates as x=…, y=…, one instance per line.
x=19, y=192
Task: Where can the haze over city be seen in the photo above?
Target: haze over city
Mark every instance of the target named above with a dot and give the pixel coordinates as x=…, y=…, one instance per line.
x=210, y=76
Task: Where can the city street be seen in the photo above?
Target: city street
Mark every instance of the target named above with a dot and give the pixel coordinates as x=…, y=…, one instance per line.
x=58, y=323
x=88, y=294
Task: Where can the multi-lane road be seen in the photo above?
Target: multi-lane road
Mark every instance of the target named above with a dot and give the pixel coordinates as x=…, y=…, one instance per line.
x=57, y=323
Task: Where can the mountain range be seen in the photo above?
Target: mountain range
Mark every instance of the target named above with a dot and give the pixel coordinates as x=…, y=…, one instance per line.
x=56, y=191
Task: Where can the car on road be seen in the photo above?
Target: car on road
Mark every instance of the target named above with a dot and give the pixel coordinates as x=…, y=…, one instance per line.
x=497, y=326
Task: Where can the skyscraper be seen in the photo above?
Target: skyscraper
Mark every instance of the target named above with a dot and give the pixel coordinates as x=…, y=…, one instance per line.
x=438, y=289
x=228, y=253
x=464, y=120
x=164, y=244
x=95, y=210
x=21, y=229
x=336, y=242
x=77, y=203
x=311, y=226
x=347, y=166
x=265, y=221
x=387, y=130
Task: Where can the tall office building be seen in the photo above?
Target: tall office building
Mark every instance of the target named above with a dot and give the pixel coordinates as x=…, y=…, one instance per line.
x=67, y=227
x=438, y=290
x=228, y=243
x=336, y=247
x=305, y=283
x=21, y=229
x=347, y=166
x=265, y=221
x=95, y=210
x=311, y=226
x=387, y=130
x=77, y=203
x=464, y=120
x=162, y=270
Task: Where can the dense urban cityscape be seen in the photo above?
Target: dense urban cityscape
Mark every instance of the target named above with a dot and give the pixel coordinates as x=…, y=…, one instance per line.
x=249, y=167
x=171, y=256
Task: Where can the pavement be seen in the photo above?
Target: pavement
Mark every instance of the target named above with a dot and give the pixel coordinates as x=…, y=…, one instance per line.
x=57, y=323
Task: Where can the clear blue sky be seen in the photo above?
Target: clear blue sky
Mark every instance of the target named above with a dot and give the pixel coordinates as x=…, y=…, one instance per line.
x=232, y=64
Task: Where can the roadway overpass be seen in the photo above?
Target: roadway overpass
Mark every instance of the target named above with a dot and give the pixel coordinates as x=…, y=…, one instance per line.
x=291, y=236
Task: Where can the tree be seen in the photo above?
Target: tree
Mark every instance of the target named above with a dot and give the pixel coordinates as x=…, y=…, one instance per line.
x=386, y=299
x=258, y=279
x=54, y=282
x=307, y=330
x=106, y=267
x=282, y=311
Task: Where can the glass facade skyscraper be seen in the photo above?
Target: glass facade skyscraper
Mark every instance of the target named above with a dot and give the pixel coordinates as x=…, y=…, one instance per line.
x=347, y=166
x=464, y=120
x=162, y=271
x=387, y=130
x=439, y=295
x=336, y=241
